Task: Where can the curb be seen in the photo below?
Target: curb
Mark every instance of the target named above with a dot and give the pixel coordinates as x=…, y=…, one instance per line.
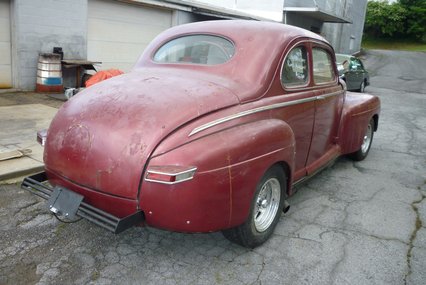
x=16, y=175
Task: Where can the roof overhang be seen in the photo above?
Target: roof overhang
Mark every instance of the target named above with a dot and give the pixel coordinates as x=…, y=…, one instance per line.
x=317, y=13
x=198, y=8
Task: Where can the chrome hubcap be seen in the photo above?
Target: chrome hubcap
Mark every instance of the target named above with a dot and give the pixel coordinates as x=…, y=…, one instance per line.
x=367, y=139
x=267, y=204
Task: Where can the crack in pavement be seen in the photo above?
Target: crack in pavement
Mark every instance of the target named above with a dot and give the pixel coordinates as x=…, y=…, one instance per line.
x=341, y=259
x=25, y=207
x=418, y=226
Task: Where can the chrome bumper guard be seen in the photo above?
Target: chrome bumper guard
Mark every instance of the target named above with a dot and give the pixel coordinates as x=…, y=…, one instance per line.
x=36, y=185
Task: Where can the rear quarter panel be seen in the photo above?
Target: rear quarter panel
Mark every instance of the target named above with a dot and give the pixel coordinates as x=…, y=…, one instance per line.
x=229, y=165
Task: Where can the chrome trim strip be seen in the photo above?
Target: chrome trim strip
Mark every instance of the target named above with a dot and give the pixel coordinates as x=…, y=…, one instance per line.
x=325, y=96
x=259, y=109
x=171, y=174
x=249, y=112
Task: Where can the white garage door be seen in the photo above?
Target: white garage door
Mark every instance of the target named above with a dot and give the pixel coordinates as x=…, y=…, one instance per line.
x=119, y=32
x=5, y=55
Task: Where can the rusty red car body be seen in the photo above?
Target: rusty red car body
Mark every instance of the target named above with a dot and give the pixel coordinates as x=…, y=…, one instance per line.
x=123, y=143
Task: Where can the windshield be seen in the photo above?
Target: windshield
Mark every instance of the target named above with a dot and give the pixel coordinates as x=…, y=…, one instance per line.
x=342, y=57
x=196, y=49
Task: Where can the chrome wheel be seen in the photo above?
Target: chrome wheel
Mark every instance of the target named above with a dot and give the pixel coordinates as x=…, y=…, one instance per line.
x=367, y=139
x=267, y=204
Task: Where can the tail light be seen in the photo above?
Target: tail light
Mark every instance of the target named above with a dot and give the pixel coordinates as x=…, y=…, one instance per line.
x=170, y=174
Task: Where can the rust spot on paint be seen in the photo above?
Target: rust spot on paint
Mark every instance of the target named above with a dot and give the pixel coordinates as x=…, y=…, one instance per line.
x=77, y=141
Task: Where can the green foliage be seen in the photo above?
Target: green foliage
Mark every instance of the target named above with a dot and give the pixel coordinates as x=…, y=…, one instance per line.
x=415, y=24
x=402, y=19
x=384, y=19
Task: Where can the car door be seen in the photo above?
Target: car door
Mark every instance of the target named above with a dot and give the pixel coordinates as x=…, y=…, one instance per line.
x=296, y=90
x=361, y=70
x=354, y=76
x=328, y=108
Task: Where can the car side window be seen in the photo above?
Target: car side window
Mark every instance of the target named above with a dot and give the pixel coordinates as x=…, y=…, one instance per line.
x=323, y=67
x=356, y=64
x=295, y=68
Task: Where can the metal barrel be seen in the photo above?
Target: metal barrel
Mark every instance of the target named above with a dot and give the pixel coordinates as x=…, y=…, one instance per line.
x=49, y=73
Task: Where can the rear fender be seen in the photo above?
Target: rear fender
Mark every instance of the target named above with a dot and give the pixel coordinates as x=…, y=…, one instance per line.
x=229, y=165
x=357, y=112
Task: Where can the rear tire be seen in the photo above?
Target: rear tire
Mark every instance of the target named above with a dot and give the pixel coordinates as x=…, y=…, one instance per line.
x=362, y=153
x=265, y=211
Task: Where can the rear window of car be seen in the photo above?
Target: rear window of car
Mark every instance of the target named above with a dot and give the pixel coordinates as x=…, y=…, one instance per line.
x=196, y=49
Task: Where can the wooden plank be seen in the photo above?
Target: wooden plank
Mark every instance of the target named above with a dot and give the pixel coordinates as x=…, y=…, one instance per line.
x=17, y=153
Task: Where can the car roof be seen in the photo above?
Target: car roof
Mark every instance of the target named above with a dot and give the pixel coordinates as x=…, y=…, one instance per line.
x=342, y=57
x=259, y=47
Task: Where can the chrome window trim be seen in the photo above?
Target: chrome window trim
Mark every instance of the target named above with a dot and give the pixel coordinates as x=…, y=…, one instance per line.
x=170, y=174
x=163, y=43
x=308, y=79
x=334, y=72
x=260, y=109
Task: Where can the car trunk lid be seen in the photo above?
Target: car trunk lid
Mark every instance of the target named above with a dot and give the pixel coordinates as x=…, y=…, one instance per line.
x=103, y=136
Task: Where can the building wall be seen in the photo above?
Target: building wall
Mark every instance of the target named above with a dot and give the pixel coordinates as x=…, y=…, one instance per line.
x=40, y=25
x=347, y=38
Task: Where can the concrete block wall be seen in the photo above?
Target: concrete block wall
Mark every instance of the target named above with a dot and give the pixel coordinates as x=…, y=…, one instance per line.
x=40, y=25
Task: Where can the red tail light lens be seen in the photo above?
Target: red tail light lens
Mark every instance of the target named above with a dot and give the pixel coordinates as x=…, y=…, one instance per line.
x=170, y=174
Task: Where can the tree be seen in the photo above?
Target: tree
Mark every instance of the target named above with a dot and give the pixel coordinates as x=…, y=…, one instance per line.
x=415, y=23
x=384, y=19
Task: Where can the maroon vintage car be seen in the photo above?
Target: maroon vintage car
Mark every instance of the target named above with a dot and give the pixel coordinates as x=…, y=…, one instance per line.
x=209, y=132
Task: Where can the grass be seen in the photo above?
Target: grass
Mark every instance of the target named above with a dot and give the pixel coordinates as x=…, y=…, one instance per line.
x=392, y=44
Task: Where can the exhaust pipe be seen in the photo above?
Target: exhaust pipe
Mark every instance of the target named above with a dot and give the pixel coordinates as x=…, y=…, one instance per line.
x=286, y=206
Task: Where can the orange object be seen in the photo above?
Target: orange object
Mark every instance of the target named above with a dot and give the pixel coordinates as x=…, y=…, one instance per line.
x=102, y=75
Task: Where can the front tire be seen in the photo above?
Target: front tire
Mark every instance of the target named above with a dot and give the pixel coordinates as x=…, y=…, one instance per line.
x=362, y=87
x=362, y=153
x=265, y=211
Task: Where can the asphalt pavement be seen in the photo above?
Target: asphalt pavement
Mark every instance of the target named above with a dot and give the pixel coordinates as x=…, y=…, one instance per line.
x=354, y=223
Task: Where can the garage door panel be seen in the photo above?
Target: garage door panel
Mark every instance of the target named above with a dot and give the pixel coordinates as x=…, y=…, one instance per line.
x=104, y=30
x=119, y=32
x=5, y=77
x=5, y=45
x=127, y=13
x=4, y=29
x=5, y=50
x=126, y=67
x=4, y=8
x=117, y=52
